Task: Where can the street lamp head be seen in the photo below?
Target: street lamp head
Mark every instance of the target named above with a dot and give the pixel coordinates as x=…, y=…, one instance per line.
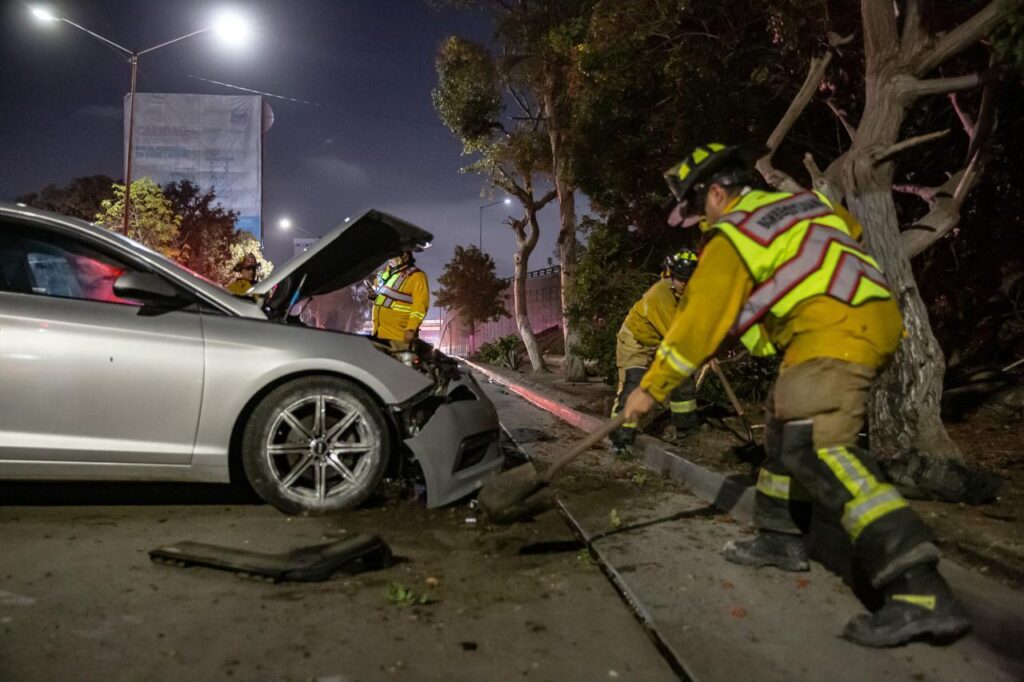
x=285, y=223
x=508, y=201
x=44, y=14
x=232, y=28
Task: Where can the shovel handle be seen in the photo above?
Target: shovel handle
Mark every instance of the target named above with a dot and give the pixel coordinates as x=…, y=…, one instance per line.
x=736, y=404
x=584, y=445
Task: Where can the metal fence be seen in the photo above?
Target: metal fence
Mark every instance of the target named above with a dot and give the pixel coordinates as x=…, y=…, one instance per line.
x=543, y=304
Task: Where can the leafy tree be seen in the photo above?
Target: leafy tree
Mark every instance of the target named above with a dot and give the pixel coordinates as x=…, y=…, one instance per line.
x=468, y=100
x=206, y=232
x=469, y=285
x=151, y=217
x=243, y=244
x=81, y=198
x=613, y=273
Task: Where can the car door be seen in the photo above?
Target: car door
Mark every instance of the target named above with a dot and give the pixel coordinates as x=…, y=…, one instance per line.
x=89, y=376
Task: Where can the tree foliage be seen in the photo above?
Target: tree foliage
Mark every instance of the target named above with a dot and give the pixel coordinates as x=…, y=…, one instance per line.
x=243, y=244
x=469, y=286
x=207, y=230
x=81, y=198
x=151, y=217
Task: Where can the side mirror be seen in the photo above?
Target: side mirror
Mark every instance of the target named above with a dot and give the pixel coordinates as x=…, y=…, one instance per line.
x=145, y=287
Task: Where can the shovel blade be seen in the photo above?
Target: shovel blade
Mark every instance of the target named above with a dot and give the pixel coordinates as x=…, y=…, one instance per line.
x=507, y=497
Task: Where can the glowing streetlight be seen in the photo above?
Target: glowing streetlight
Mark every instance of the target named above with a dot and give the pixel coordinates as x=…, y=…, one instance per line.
x=286, y=224
x=230, y=27
x=507, y=201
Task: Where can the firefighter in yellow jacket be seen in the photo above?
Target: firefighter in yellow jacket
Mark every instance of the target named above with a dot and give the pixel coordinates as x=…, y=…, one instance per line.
x=400, y=298
x=638, y=338
x=787, y=271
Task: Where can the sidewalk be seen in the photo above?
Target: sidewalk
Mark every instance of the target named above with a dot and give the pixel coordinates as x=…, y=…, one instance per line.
x=719, y=619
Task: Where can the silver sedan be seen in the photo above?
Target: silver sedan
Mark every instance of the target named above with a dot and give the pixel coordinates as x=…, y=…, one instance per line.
x=118, y=364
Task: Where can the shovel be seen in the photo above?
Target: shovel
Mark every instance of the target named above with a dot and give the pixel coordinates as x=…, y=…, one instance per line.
x=520, y=493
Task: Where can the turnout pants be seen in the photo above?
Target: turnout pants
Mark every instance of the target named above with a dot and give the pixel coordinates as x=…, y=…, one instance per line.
x=814, y=416
x=633, y=359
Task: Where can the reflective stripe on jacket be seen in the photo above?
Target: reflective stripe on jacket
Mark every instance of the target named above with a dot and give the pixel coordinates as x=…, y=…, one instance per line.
x=795, y=248
x=400, y=302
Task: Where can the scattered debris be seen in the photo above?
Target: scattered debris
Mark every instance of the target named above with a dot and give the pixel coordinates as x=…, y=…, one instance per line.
x=802, y=582
x=738, y=612
x=613, y=518
x=468, y=646
x=400, y=595
x=584, y=558
x=432, y=581
x=639, y=478
x=305, y=564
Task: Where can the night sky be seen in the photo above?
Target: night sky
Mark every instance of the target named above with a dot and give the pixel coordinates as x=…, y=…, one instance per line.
x=371, y=140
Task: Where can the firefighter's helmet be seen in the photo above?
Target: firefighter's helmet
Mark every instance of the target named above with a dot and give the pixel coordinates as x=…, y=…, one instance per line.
x=680, y=265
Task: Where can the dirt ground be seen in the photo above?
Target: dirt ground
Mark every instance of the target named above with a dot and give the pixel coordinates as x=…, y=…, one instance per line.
x=988, y=538
x=80, y=599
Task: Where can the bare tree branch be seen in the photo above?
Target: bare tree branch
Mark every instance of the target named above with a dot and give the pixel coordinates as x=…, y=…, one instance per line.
x=913, y=88
x=893, y=150
x=913, y=35
x=803, y=96
x=841, y=115
x=962, y=114
x=925, y=194
x=880, y=36
x=963, y=36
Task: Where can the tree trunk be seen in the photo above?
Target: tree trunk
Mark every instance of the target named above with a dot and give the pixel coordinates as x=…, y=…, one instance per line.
x=527, y=232
x=574, y=370
x=905, y=402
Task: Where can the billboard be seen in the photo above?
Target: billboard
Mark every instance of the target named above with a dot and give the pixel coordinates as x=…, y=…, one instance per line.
x=216, y=141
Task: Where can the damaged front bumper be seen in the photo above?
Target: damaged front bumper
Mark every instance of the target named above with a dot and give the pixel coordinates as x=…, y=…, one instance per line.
x=455, y=439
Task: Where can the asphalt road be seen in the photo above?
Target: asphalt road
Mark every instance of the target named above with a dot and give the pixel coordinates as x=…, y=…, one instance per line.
x=80, y=599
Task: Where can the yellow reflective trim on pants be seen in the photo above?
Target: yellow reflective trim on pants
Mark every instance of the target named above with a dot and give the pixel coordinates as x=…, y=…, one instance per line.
x=682, y=406
x=925, y=601
x=862, y=511
x=849, y=470
x=773, y=485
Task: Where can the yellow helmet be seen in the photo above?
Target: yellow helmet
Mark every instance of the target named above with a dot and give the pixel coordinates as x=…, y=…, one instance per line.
x=688, y=179
x=680, y=265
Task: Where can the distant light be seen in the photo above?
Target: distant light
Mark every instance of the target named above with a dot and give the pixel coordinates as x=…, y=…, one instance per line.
x=508, y=201
x=44, y=14
x=427, y=245
x=232, y=28
x=347, y=219
x=285, y=223
x=21, y=204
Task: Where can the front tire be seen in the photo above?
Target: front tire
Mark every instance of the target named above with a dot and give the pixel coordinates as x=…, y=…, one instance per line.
x=316, y=445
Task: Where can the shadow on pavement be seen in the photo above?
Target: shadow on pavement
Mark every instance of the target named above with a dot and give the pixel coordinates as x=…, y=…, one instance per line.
x=43, y=494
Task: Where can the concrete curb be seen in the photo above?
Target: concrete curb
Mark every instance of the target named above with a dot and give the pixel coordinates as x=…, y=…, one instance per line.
x=725, y=492
x=997, y=612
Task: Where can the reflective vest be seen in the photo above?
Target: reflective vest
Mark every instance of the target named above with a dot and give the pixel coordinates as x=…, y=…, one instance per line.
x=795, y=248
x=388, y=293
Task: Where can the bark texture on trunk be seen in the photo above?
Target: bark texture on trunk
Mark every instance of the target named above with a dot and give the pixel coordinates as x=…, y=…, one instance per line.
x=574, y=369
x=527, y=231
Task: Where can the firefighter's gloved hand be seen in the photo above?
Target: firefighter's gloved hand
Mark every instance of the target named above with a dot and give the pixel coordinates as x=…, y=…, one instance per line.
x=638, y=404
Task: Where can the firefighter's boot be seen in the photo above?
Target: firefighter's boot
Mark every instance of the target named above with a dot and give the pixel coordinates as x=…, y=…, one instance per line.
x=918, y=605
x=782, y=550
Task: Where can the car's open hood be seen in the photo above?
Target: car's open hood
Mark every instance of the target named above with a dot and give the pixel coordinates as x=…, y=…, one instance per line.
x=350, y=252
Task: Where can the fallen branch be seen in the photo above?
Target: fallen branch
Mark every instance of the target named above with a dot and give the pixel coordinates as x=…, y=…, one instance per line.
x=909, y=143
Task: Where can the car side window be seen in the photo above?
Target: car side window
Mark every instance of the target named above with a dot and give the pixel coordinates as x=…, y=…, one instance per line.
x=43, y=263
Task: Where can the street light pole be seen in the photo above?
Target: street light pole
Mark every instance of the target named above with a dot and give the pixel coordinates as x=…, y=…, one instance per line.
x=506, y=201
x=133, y=60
